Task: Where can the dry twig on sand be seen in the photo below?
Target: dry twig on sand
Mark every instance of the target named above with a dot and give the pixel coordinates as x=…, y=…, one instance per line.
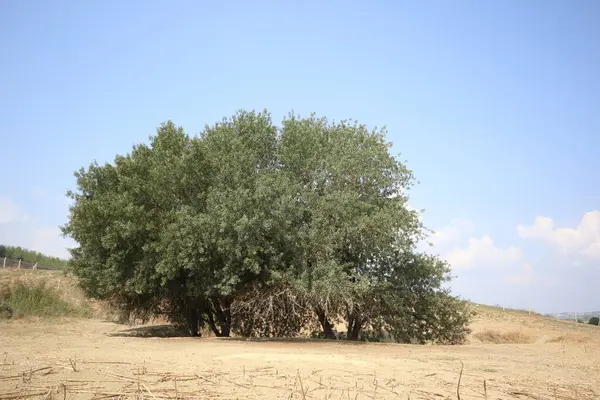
x=114, y=382
x=462, y=366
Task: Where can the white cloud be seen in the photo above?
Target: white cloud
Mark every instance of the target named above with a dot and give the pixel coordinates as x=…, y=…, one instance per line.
x=8, y=211
x=453, y=234
x=456, y=244
x=484, y=269
x=43, y=238
x=482, y=252
x=22, y=229
x=583, y=239
x=49, y=240
x=524, y=278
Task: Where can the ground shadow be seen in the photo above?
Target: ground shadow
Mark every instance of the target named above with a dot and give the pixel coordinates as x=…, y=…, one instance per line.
x=160, y=331
x=296, y=340
x=170, y=331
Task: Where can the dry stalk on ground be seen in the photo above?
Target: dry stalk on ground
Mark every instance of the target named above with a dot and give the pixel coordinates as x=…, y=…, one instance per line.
x=139, y=383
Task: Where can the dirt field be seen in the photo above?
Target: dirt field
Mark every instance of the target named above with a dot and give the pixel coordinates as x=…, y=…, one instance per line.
x=93, y=359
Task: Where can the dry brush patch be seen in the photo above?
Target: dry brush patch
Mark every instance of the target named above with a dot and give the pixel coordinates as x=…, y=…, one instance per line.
x=570, y=338
x=497, y=337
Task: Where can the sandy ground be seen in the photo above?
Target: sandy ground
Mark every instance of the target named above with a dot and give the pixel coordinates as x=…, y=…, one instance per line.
x=95, y=359
x=88, y=359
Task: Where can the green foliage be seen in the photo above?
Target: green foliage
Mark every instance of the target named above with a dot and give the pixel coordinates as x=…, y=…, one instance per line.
x=594, y=321
x=407, y=303
x=263, y=230
x=39, y=301
x=31, y=257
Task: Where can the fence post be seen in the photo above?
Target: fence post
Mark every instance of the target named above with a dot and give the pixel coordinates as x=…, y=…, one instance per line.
x=4, y=265
x=19, y=267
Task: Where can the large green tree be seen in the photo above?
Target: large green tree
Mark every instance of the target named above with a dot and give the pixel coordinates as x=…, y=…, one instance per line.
x=246, y=223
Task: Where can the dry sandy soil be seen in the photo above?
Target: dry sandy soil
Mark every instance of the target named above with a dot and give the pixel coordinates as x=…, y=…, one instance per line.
x=95, y=359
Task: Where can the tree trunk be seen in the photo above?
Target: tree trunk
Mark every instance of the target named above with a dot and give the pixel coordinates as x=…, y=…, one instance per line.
x=223, y=318
x=325, y=324
x=354, y=327
x=192, y=322
x=225, y=323
x=213, y=325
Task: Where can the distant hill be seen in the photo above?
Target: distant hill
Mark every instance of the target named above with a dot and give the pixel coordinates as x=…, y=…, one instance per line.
x=573, y=316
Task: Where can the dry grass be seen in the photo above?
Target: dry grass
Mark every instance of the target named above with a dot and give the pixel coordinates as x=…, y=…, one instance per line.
x=55, y=280
x=569, y=338
x=57, y=286
x=124, y=380
x=496, y=337
x=40, y=301
x=497, y=309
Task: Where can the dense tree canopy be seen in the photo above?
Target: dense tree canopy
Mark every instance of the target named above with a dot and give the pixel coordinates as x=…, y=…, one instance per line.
x=263, y=230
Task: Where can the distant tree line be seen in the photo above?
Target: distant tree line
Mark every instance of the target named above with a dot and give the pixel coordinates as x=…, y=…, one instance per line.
x=31, y=256
x=263, y=230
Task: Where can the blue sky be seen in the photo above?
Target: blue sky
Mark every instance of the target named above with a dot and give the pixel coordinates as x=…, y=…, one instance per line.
x=494, y=105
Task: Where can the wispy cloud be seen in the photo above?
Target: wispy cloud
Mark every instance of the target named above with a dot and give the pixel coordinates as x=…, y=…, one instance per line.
x=457, y=244
x=8, y=210
x=523, y=278
x=582, y=240
x=21, y=229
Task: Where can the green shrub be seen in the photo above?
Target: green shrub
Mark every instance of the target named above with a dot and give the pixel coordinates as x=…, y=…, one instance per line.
x=594, y=321
x=39, y=301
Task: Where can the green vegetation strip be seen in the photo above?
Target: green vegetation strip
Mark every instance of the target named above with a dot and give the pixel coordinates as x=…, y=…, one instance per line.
x=40, y=301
